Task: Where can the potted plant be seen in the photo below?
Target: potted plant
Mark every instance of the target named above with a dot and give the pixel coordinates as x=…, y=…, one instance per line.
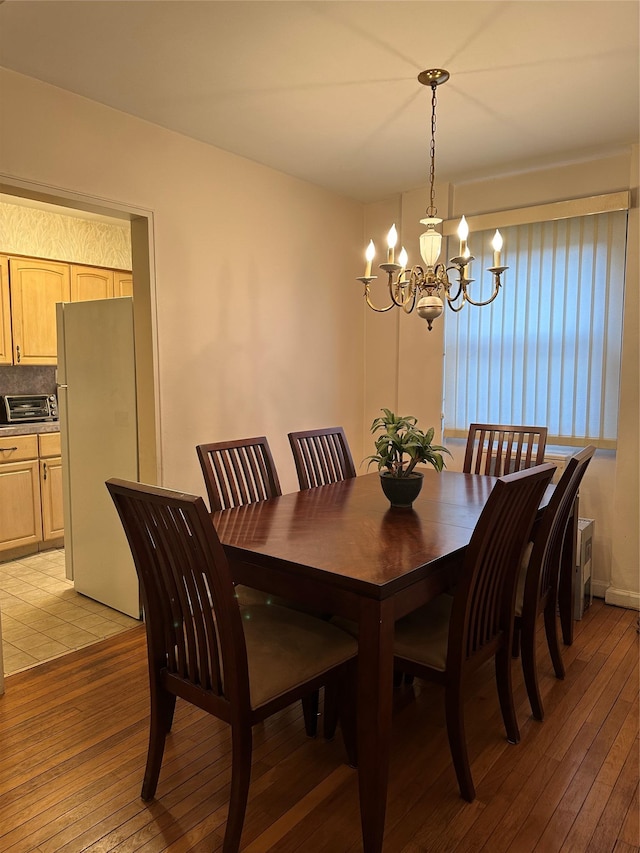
x=400, y=446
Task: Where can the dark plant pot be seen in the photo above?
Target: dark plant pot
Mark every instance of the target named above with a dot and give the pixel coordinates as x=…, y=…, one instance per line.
x=401, y=491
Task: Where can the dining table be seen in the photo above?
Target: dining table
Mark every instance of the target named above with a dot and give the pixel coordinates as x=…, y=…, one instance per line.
x=341, y=549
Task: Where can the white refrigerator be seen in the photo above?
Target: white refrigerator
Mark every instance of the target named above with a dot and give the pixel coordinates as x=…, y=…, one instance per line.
x=98, y=428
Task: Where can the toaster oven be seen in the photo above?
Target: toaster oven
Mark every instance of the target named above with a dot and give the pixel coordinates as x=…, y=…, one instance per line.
x=28, y=408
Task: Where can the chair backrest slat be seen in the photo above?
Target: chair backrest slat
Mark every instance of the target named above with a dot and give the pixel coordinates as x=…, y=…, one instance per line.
x=321, y=456
x=192, y=618
x=238, y=472
x=495, y=449
x=485, y=595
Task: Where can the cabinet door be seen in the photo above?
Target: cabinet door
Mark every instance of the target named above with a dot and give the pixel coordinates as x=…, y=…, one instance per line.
x=51, y=492
x=90, y=283
x=36, y=287
x=20, y=519
x=6, y=356
x=122, y=284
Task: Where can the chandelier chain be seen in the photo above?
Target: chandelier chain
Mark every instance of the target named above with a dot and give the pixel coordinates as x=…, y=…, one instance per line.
x=432, y=210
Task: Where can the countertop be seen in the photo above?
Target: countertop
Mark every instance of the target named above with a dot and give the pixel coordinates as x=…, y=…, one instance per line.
x=29, y=429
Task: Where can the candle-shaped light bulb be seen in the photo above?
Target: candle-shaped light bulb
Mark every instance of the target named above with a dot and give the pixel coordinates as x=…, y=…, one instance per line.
x=402, y=260
x=467, y=267
x=392, y=239
x=497, y=246
x=369, y=255
x=463, y=233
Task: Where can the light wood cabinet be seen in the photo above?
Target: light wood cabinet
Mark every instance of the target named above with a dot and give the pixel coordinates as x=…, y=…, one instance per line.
x=6, y=355
x=122, y=284
x=30, y=490
x=90, y=283
x=51, y=498
x=21, y=516
x=51, y=485
x=36, y=287
x=29, y=291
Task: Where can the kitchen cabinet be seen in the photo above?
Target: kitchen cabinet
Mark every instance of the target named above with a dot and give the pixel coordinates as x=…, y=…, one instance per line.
x=122, y=283
x=30, y=490
x=29, y=291
x=36, y=287
x=51, y=485
x=90, y=283
x=6, y=355
x=21, y=516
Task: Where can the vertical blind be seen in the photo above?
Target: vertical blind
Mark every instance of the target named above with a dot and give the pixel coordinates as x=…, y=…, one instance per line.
x=547, y=351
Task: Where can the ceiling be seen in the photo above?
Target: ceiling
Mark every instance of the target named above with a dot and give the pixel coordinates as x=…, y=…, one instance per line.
x=327, y=91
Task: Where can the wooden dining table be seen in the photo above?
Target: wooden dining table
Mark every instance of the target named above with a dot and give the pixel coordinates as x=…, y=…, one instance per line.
x=341, y=549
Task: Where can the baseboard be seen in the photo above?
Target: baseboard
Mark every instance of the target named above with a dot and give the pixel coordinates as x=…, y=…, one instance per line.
x=599, y=588
x=623, y=598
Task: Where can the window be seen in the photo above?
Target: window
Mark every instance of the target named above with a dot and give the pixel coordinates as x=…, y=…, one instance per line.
x=547, y=351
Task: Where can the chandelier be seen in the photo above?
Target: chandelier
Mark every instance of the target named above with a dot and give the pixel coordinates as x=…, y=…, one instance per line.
x=427, y=288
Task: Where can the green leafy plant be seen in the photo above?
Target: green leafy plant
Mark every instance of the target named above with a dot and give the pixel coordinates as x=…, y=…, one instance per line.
x=401, y=445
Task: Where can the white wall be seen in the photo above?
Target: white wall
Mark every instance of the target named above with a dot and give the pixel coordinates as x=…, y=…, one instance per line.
x=259, y=331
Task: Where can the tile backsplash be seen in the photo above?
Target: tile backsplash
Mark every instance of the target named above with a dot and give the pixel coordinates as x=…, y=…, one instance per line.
x=28, y=379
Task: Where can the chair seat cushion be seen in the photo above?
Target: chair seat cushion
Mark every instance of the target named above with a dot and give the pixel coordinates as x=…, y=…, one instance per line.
x=423, y=636
x=286, y=648
x=522, y=577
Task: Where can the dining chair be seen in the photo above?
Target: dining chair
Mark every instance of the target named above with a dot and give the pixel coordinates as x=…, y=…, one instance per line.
x=240, y=664
x=240, y=472
x=449, y=638
x=321, y=456
x=237, y=473
x=537, y=590
x=496, y=449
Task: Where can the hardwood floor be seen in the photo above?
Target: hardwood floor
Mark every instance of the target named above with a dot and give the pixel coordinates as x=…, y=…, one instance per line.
x=73, y=737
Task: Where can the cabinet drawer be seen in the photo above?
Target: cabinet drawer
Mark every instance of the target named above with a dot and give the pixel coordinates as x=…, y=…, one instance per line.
x=15, y=448
x=49, y=444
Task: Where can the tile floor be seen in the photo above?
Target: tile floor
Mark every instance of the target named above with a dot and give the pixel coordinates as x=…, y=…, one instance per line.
x=43, y=617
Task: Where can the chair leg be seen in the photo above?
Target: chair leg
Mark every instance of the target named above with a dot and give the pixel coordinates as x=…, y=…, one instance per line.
x=530, y=670
x=331, y=710
x=347, y=701
x=161, y=718
x=551, y=630
x=310, y=705
x=458, y=741
x=242, y=744
x=505, y=693
x=515, y=648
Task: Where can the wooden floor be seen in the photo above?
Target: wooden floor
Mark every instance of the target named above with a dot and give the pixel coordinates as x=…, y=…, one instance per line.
x=73, y=741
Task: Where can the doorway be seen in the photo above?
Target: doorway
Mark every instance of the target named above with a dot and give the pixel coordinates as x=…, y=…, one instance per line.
x=43, y=572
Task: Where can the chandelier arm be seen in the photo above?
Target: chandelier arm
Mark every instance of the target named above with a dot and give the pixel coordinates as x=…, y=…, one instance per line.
x=451, y=299
x=367, y=296
x=412, y=285
x=413, y=302
x=486, y=301
x=397, y=287
x=456, y=308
